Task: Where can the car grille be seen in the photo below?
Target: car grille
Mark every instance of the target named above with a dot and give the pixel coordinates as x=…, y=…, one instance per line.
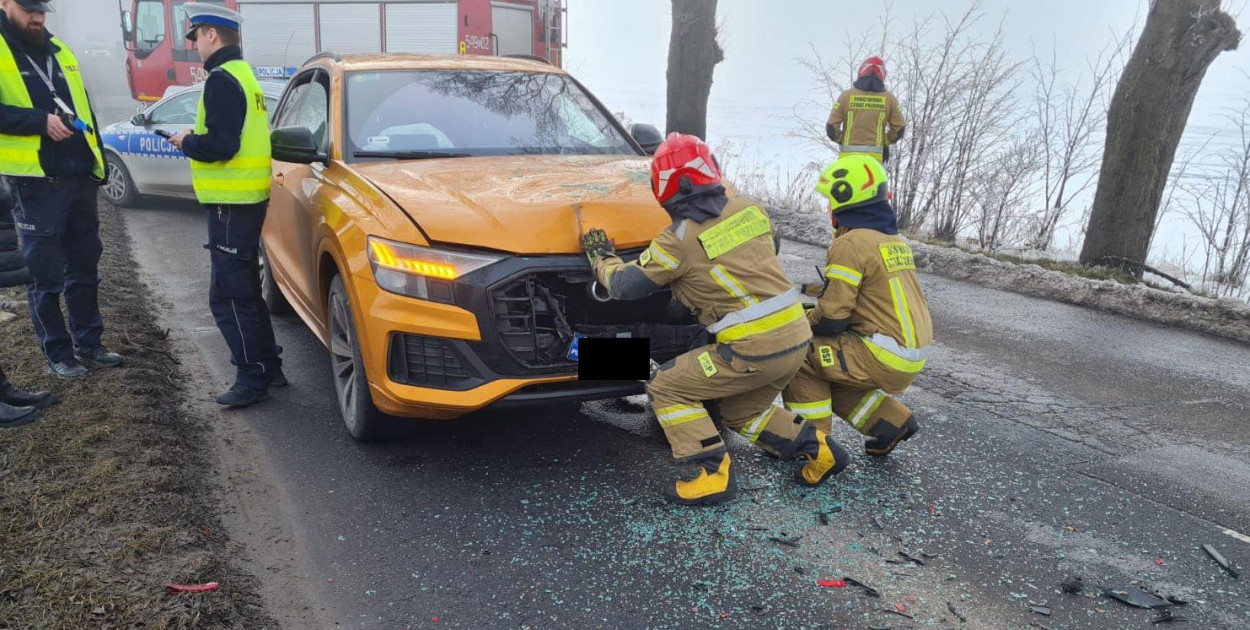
x=426, y=362
x=529, y=321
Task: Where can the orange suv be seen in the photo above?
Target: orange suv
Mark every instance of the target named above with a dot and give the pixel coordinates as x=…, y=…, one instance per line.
x=425, y=222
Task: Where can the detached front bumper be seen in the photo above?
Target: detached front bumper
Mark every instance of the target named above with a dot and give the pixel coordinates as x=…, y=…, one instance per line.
x=505, y=339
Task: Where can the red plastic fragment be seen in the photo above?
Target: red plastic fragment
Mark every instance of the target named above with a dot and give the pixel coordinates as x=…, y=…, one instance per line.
x=831, y=583
x=1159, y=562
x=901, y=608
x=192, y=588
x=434, y=618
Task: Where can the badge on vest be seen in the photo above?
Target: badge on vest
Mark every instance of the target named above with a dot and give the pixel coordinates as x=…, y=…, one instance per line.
x=897, y=257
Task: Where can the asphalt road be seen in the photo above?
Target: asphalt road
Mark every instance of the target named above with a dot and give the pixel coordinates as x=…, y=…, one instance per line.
x=1057, y=442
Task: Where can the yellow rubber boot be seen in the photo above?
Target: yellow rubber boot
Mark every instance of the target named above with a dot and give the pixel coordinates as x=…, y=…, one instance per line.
x=825, y=458
x=714, y=484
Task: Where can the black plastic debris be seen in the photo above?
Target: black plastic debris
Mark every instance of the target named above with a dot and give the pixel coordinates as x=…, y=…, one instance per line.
x=910, y=558
x=788, y=541
x=1074, y=586
x=868, y=590
x=1167, y=616
x=1176, y=600
x=1041, y=610
x=1137, y=598
x=895, y=611
x=1222, y=561
x=961, y=618
x=823, y=517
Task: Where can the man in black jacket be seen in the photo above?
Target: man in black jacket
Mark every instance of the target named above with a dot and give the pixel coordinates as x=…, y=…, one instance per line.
x=51, y=155
x=16, y=406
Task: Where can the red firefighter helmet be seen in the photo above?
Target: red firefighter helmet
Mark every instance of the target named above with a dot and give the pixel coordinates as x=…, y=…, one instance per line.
x=872, y=65
x=683, y=166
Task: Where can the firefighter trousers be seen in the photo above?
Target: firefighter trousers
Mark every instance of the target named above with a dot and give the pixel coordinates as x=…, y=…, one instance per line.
x=841, y=376
x=746, y=390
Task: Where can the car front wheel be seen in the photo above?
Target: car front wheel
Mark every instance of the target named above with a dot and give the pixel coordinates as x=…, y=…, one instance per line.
x=362, y=418
x=118, y=187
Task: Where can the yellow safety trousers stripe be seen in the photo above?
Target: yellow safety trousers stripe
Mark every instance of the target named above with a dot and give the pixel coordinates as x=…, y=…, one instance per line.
x=867, y=406
x=754, y=428
x=812, y=410
x=680, y=414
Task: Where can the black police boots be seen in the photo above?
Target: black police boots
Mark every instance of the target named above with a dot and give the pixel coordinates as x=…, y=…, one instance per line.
x=15, y=397
x=242, y=396
x=11, y=417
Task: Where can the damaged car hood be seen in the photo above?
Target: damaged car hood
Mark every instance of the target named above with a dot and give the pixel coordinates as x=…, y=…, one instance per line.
x=536, y=204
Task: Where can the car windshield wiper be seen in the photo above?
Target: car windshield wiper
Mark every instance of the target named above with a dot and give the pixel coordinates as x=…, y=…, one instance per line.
x=410, y=155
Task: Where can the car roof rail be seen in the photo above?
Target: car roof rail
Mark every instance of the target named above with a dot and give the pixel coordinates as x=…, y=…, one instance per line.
x=325, y=54
x=527, y=57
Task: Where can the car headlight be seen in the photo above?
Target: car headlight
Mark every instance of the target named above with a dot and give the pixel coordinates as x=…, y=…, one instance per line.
x=424, y=273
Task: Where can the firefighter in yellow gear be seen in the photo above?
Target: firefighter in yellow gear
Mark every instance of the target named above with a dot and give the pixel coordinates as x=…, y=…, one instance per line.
x=871, y=324
x=719, y=259
x=866, y=119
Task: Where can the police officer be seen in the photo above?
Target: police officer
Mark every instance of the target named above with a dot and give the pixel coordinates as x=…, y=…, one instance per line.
x=17, y=407
x=871, y=324
x=720, y=260
x=50, y=151
x=866, y=119
x=230, y=171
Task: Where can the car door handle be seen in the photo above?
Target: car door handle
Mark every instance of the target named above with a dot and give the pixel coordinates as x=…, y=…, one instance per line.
x=279, y=178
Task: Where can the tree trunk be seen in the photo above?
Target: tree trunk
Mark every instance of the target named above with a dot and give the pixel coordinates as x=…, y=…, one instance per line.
x=1146, y=119
x=692, y=55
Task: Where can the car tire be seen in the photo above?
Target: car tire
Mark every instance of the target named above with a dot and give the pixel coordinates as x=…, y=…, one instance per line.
x=351, y=385
x=275, y=302
x=118, y=187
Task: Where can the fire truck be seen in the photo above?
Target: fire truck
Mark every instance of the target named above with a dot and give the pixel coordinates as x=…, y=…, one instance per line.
x=278, y=35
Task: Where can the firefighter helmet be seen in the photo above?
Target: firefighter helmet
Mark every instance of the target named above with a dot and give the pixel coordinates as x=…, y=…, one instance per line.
x=872, y=65
x=853, y=181
x=683, y=167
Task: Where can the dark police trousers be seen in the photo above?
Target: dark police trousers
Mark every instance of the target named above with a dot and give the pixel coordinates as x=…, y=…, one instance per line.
x=234, y=291
x=59, y=228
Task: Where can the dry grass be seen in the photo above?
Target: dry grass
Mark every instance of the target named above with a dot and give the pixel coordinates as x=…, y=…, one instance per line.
x=108, y=496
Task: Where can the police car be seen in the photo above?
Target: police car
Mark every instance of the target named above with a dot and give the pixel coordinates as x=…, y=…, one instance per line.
x=140, y=162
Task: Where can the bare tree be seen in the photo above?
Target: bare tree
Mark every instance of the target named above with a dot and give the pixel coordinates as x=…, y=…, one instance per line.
x=1069, y=116
x=1146, y=119
x=1000, y=194
x=693, y=53
x=1219, y=207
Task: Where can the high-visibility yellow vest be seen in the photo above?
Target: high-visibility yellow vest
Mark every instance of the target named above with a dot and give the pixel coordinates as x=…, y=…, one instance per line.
x=244, y=178
x=19, y=155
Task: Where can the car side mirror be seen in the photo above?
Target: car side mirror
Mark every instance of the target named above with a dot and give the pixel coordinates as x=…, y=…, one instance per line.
x=128, y=27
x=139, y=120
x=296, y=145
x=647, y=136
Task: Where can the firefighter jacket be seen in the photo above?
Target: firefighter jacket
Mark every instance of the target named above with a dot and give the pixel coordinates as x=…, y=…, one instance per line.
x=866, y=122
x=873, y=292
x=725, y=270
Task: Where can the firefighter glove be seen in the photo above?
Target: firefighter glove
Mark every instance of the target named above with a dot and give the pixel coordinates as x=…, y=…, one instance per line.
x=595, y=243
